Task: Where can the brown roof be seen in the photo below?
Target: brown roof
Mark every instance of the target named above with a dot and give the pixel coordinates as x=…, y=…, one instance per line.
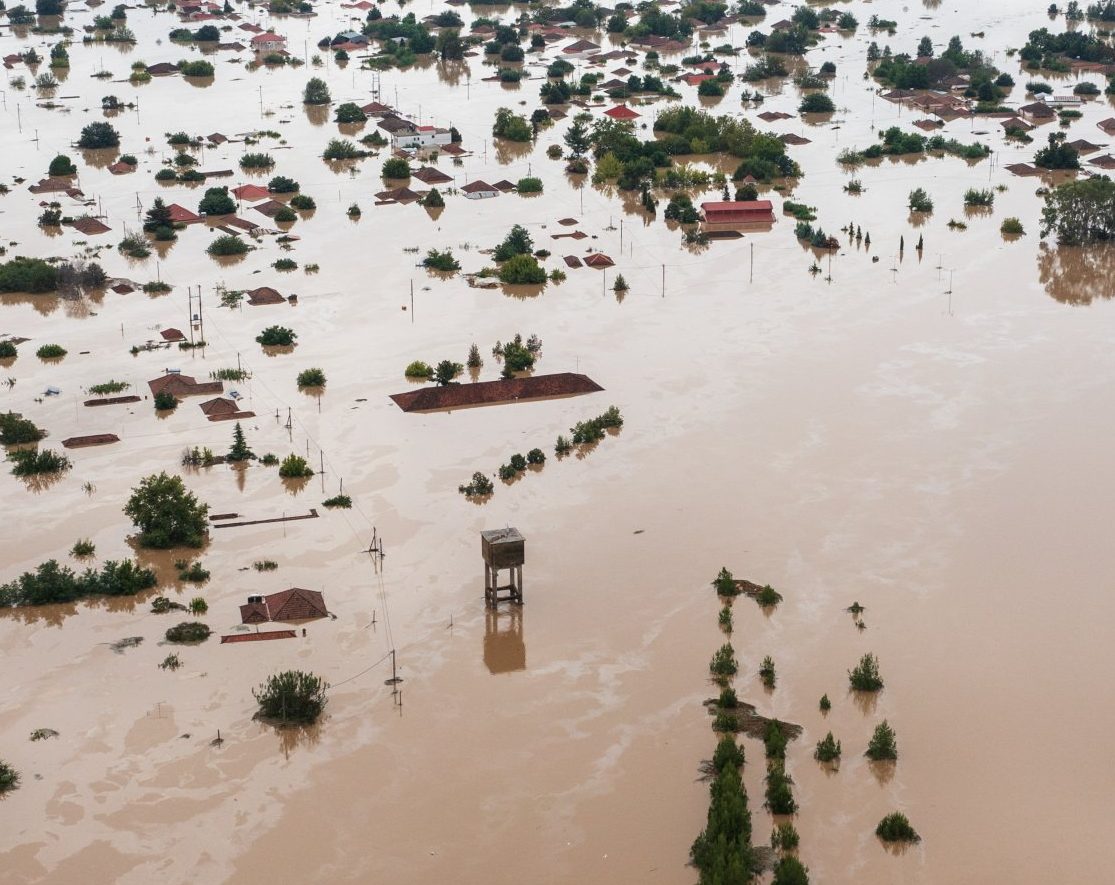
x=1107, y=125
x=295, y=604
x=258, y=637
x=183, y=385
x=1083, y=147
x=477, y=186
x=250, y=192
x=1105, y=162
x=431, y=176
x=790, y=138
x=91, y=226
x=270, y=208
x=572, y=261
x=182, y=215
x=264, y=295
x=486, y=393
x=172, y=334
x=96, y=439
x=162, y=68
x=598, y=260
x=219, y=406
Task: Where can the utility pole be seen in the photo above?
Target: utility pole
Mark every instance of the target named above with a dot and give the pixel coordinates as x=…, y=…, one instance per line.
x=663, y=281
x=751, y=279
x=412, y=302
x=395, y=677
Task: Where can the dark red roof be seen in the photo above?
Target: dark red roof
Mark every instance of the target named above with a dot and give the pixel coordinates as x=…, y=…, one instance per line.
x=264, y=295
x=250, y=192
x=738, y=211
x=621, y=112
x=258, y=637
x=486, y=393
x=295, y=604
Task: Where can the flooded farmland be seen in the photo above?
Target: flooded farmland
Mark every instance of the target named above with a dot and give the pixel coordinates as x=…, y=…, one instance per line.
x=921, y=431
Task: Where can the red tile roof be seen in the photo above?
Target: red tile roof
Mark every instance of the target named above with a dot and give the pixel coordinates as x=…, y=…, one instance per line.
x=295, y=604
x=486, y=393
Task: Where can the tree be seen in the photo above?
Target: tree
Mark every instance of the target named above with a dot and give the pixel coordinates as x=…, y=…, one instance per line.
x=1080, y=212
x=61, y=165
x=511, y=126
x=48, y=7
x=158, y=216
x=790, y=871
x=27, y=275
x=919, y=201
x=446, y=371
x=281, y=184
x=98, y=135
x=925, y=48
x=316, y=92
x=217, y=201
x=291, y=696
x=395, y=167
x=433, y=199
x=350, y=112
x=522, y=269
x=882, y=745
x=9, y=778
x=517, y=242
x=577, y=137
x=1058, y=154
x=449, y=45
x=815, y=103
x=239, y=450
x=166, y=514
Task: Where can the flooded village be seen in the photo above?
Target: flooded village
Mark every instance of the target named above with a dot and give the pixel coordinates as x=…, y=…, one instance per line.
x=601, y=442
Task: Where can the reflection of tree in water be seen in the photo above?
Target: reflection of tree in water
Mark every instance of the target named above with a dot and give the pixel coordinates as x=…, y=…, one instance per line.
x=450, y=72
x=291, y=737
x=510, y=151
x=1077, y=274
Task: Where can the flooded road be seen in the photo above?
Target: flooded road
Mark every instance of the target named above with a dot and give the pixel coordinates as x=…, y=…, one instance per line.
x=927, y=436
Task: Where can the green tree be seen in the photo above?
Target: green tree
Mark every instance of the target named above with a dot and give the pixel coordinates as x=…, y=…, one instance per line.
x=517, y=242
x=61, y=165
x=522, y=269
x=395, y=167
x=350, y=112
x=1057, y=154
x=446, y=371
x=1080, y=212
x=27, y=275
x=166, y=513
x=49, y=7
x=217, y=201
x=158, y=217
x=815, y=103
x=291, y=696
x=98, y=135
x=790, y=871
x=9, y=778
x=316, y=92
x=925, y=48
x=239, y=450
x=883, y=745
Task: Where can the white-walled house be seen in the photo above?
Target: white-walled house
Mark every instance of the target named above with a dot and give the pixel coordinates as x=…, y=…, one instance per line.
x=420, y=137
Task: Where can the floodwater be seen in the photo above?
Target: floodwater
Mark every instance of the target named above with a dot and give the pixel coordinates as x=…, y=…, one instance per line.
x=928, y=436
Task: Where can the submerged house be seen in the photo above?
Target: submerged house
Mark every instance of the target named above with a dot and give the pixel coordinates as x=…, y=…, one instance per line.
x=295, y=604
x=738, y=212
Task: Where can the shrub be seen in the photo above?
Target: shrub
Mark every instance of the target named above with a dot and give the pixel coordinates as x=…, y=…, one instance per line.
x=529, y=186
x=520, y=270
x=725, y=584
x=28, y=462
x=895, y=827
x=302, y=202
x=779, y=793
x=865, y=676
x=295, y=467
x=166, y=514
x=536, y=456
x=828, y=749
x=61, y=165
x=789, y=870
x=51, y=352
x=291, y=696
x=562, y=446
x=217, y=201
x=433, y=199
x=27, y=275
x=419, y=369
x=227, y=245
x=82, y=548
x=775, y=741
x=277, y=336
x=723, y=663
x=198, y=606
x=170, y=662
x=784, y=838
x=269, y=460
x=882, y=744
x=256, y=161
x=188, y=632
x=51, y=583
x=281, y=184
x=109, y=387
x=768, y=597
x=443, y=261
x=98, y=135
x=766, y=671
x=343, y=502
x=919, y=201
x=395, y=167
x=285, y=215
x=480, y=486
x=8, y=350
x=193, y=572
x=342, y=149
x=265, y=565
x=815, y=103
x=134, y=246
x=199, y=68
x=446, y=371
x=825, y=704
x=725, y=618
x=165, y=400
x=9, y=778
x=979, y=197
x=285, y=265
x=311, y=378
x=1012, y=226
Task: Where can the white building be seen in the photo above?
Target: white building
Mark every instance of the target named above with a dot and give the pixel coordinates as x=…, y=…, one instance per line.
x=420, y=137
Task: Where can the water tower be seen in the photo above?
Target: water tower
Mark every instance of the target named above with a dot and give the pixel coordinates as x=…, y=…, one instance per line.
x=503, y=549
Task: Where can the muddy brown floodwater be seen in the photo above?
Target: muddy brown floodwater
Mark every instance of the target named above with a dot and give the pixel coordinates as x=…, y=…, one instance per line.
x=929, y=436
